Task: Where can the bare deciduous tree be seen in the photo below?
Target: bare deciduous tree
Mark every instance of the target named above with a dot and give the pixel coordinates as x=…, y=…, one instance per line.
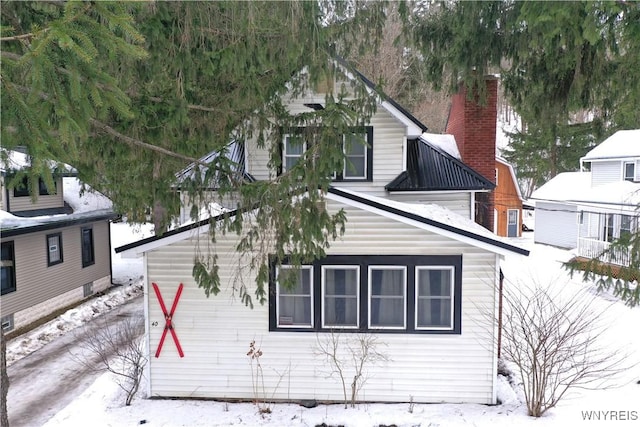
x=258, y=385
x=557, y=344
x=119, y=350
x=360, y=351
x=4, y=386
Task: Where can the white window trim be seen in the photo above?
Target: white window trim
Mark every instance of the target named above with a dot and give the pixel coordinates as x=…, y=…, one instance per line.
x=365, y=156
x=284, y=151
x=404, y=306
x=296, y=326
x=323, y=305
x=452, y=296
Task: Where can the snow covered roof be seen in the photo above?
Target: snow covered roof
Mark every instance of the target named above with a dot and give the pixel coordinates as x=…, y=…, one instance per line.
x=88, y=205
x=575, y=188
x=11, y=160
x=431, y=217
x=11, y=225
x=83, y=200
x=563, y=186
x=624, y=143
x=445, y=142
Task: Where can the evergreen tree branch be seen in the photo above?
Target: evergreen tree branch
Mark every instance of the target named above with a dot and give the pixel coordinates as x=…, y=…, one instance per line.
x=19, y=37
x=111, y=131
x=132, y=141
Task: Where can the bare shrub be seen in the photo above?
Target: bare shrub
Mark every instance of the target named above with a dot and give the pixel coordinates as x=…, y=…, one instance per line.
x=556, y=342
x=258, y=386
x=360, y=351
x=119, y=349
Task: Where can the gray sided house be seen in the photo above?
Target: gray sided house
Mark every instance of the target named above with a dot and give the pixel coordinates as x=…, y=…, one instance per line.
x=413, y=270
x=52, y=254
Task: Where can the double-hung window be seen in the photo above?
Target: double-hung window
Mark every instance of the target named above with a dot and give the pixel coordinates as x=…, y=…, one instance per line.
x=293, y=148
x=355, y=152
x=54, y=249
x=434, y=297
x=340, y=296
x=356, y=145
x=294, y=297
x=387, y=297
x=7, y=268
x=418, y=294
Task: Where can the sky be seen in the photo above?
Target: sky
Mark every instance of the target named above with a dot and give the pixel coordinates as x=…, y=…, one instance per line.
x=102, y=404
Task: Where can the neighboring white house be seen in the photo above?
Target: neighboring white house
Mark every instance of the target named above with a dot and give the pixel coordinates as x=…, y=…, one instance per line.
x=588, y=209
x=412, y=270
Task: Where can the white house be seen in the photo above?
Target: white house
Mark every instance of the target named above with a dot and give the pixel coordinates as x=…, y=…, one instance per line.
x=413, y=270
x=588, y=209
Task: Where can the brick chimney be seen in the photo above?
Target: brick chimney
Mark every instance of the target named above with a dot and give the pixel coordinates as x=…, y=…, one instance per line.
x=473, y=124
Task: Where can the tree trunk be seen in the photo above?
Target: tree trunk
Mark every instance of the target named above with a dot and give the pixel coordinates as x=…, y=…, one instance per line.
x=158, y=211
x=4, y=385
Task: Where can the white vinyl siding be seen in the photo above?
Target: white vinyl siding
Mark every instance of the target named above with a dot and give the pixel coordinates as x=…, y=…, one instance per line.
x=215, y=332
x=388, y=154
x=556, y=224
x=605, y=172
x=458, y=202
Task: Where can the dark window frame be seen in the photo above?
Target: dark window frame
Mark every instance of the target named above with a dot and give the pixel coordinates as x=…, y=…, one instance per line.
x=23, y=189
x=339, y=175
x=91, y=259
x=9, y=247
x=61, y=258
x=625, y=176
x=364, y=261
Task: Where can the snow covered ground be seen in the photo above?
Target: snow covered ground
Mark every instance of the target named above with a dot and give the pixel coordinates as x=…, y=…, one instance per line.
x=102, y=404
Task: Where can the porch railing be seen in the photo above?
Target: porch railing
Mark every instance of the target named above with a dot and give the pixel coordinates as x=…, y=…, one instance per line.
x=594, y=248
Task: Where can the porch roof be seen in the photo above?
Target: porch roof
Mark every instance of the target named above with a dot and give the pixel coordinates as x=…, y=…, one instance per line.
x=575, y=188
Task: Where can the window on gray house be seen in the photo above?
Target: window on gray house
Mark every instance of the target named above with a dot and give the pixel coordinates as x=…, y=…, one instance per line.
x=23, y=189
x=7, y=268
x=54, y=249
x=88, y=255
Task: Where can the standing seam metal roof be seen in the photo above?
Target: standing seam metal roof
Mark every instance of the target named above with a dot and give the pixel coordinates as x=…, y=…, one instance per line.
x=431, y=169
